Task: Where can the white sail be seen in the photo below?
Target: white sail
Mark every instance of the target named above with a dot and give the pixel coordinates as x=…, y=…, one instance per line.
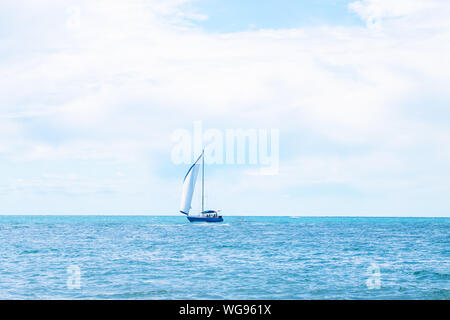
x=188, y=186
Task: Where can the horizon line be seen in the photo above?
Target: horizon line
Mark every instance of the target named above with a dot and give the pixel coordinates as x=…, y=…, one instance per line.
x=175, y=215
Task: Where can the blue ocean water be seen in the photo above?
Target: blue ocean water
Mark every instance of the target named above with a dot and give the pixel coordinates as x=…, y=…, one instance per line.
x=243, y=258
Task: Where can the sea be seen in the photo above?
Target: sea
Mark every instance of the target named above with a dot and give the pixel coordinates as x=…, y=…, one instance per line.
x=166, y=257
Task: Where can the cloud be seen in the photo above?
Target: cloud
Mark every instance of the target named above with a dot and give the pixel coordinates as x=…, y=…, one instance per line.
x=114, y=86
x=71, y=184
x=373, y=11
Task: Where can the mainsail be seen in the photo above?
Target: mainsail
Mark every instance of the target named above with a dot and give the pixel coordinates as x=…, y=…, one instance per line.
x=188, y=186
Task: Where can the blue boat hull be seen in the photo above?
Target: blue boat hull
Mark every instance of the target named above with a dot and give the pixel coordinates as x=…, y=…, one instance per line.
x=205, y=219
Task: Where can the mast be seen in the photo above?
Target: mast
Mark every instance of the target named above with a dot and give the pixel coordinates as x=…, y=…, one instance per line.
x=203, y=180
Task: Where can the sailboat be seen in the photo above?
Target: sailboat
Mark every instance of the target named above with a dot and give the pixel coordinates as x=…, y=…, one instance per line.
x=188, y=191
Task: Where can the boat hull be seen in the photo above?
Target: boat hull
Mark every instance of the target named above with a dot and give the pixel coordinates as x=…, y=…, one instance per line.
x=204, y=219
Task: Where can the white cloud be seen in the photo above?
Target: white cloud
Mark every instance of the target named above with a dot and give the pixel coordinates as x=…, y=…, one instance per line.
x=372, y=11
x=116, y=87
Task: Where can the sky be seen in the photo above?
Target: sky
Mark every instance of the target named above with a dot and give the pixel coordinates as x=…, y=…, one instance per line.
x=91, y=93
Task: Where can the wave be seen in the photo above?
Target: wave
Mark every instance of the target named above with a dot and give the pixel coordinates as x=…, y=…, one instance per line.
x=428, y=273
